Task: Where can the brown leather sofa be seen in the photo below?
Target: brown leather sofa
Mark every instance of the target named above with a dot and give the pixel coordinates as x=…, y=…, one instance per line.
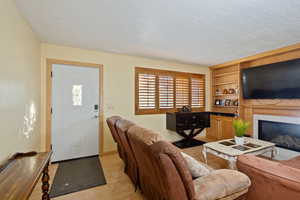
x=164, y=175
x=122, y=127
x=271, y=180
x=150, y=186
x=118, y=128
x=111, y=122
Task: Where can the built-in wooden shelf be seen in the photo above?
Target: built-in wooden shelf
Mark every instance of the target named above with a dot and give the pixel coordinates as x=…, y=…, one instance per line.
x=226, y=83
x=225, y=106
x=227, y=95
x=225, y=78
x=226, y=74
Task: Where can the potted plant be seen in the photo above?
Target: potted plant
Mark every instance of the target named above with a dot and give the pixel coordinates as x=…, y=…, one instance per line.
x=240, y=128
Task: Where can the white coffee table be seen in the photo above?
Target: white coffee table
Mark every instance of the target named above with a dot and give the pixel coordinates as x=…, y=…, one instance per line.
x=231, y=152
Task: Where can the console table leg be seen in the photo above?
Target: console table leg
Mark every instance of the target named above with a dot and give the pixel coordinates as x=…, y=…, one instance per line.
x=204, y=154
x=45, y=183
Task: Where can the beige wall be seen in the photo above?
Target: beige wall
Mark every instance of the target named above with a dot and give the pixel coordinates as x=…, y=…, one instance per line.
x=22, y=73
x=19, y=83
x=118, y=85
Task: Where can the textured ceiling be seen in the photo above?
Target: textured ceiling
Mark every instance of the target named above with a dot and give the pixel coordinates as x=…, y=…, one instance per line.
x=204, y=32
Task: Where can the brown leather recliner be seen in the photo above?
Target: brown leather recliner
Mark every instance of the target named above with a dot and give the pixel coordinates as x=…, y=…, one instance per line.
x=164, y=175
x=111, y=122
x=122, y=127
x=140, y=138
x=271, y=180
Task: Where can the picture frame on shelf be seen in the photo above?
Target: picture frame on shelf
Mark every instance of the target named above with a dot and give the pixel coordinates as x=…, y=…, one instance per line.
x=228, y=102
x=220, y=102
x=236, y=102
x=232, y=103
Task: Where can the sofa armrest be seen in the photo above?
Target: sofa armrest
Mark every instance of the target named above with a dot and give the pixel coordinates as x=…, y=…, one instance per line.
x=270, y=179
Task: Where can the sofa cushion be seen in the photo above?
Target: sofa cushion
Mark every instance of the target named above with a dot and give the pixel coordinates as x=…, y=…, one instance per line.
x=220, y=183
x=196, y=168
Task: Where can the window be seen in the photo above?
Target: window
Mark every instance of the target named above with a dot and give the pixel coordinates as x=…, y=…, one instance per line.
x=197, y=92
x=160, y=91
x=166, y=92
x=147, y=87
x=182, y=92
x=77, y=95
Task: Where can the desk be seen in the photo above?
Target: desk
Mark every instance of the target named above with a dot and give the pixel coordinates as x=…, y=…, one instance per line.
x=194, y=122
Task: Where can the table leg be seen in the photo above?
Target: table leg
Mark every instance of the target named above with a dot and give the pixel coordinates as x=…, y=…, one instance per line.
x=272, y=153
x=204, y=152
x=45, y=183
x=232, y=164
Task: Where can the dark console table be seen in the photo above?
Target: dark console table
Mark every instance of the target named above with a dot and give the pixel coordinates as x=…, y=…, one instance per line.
x=21, y=174
x=194, y=122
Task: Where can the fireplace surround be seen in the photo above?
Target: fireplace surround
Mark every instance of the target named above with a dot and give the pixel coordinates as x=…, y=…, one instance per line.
x=282, y=130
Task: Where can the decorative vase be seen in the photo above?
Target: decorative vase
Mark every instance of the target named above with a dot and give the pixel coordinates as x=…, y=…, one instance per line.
x=239, y=140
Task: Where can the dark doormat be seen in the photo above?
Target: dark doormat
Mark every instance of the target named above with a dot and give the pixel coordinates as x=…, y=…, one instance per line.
x=75, y=175
x=187, y=143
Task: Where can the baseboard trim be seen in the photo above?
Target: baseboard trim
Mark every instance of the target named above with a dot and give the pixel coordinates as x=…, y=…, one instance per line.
x=96, y=155
x=109, y=153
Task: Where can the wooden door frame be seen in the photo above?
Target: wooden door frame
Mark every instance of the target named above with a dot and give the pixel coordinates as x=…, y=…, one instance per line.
x=49, y=63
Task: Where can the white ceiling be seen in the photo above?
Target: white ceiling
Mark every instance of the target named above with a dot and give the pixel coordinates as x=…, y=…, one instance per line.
x=193, y=31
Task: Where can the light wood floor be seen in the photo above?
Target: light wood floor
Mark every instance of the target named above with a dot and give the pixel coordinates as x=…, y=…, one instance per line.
x=118, y=185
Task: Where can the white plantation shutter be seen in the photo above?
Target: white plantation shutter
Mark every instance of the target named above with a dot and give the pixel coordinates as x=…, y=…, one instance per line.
x=159, y=91
x=166, y=92
x=197, y=92
x=182, y=92
x=147, y=91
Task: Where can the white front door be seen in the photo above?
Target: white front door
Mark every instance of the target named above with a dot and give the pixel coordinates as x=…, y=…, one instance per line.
x=75, y=111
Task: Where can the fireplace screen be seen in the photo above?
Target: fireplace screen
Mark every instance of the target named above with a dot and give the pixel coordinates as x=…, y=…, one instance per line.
x=284, y=135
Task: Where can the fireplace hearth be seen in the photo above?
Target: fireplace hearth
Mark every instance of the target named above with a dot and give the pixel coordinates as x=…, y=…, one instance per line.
x=284, y=135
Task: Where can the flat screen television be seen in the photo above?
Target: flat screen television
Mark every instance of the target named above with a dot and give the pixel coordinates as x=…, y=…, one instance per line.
x=273, y=81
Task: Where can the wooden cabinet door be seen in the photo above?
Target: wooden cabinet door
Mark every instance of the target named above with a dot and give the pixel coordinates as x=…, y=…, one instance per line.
x=213, y=131
x=226, y=128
